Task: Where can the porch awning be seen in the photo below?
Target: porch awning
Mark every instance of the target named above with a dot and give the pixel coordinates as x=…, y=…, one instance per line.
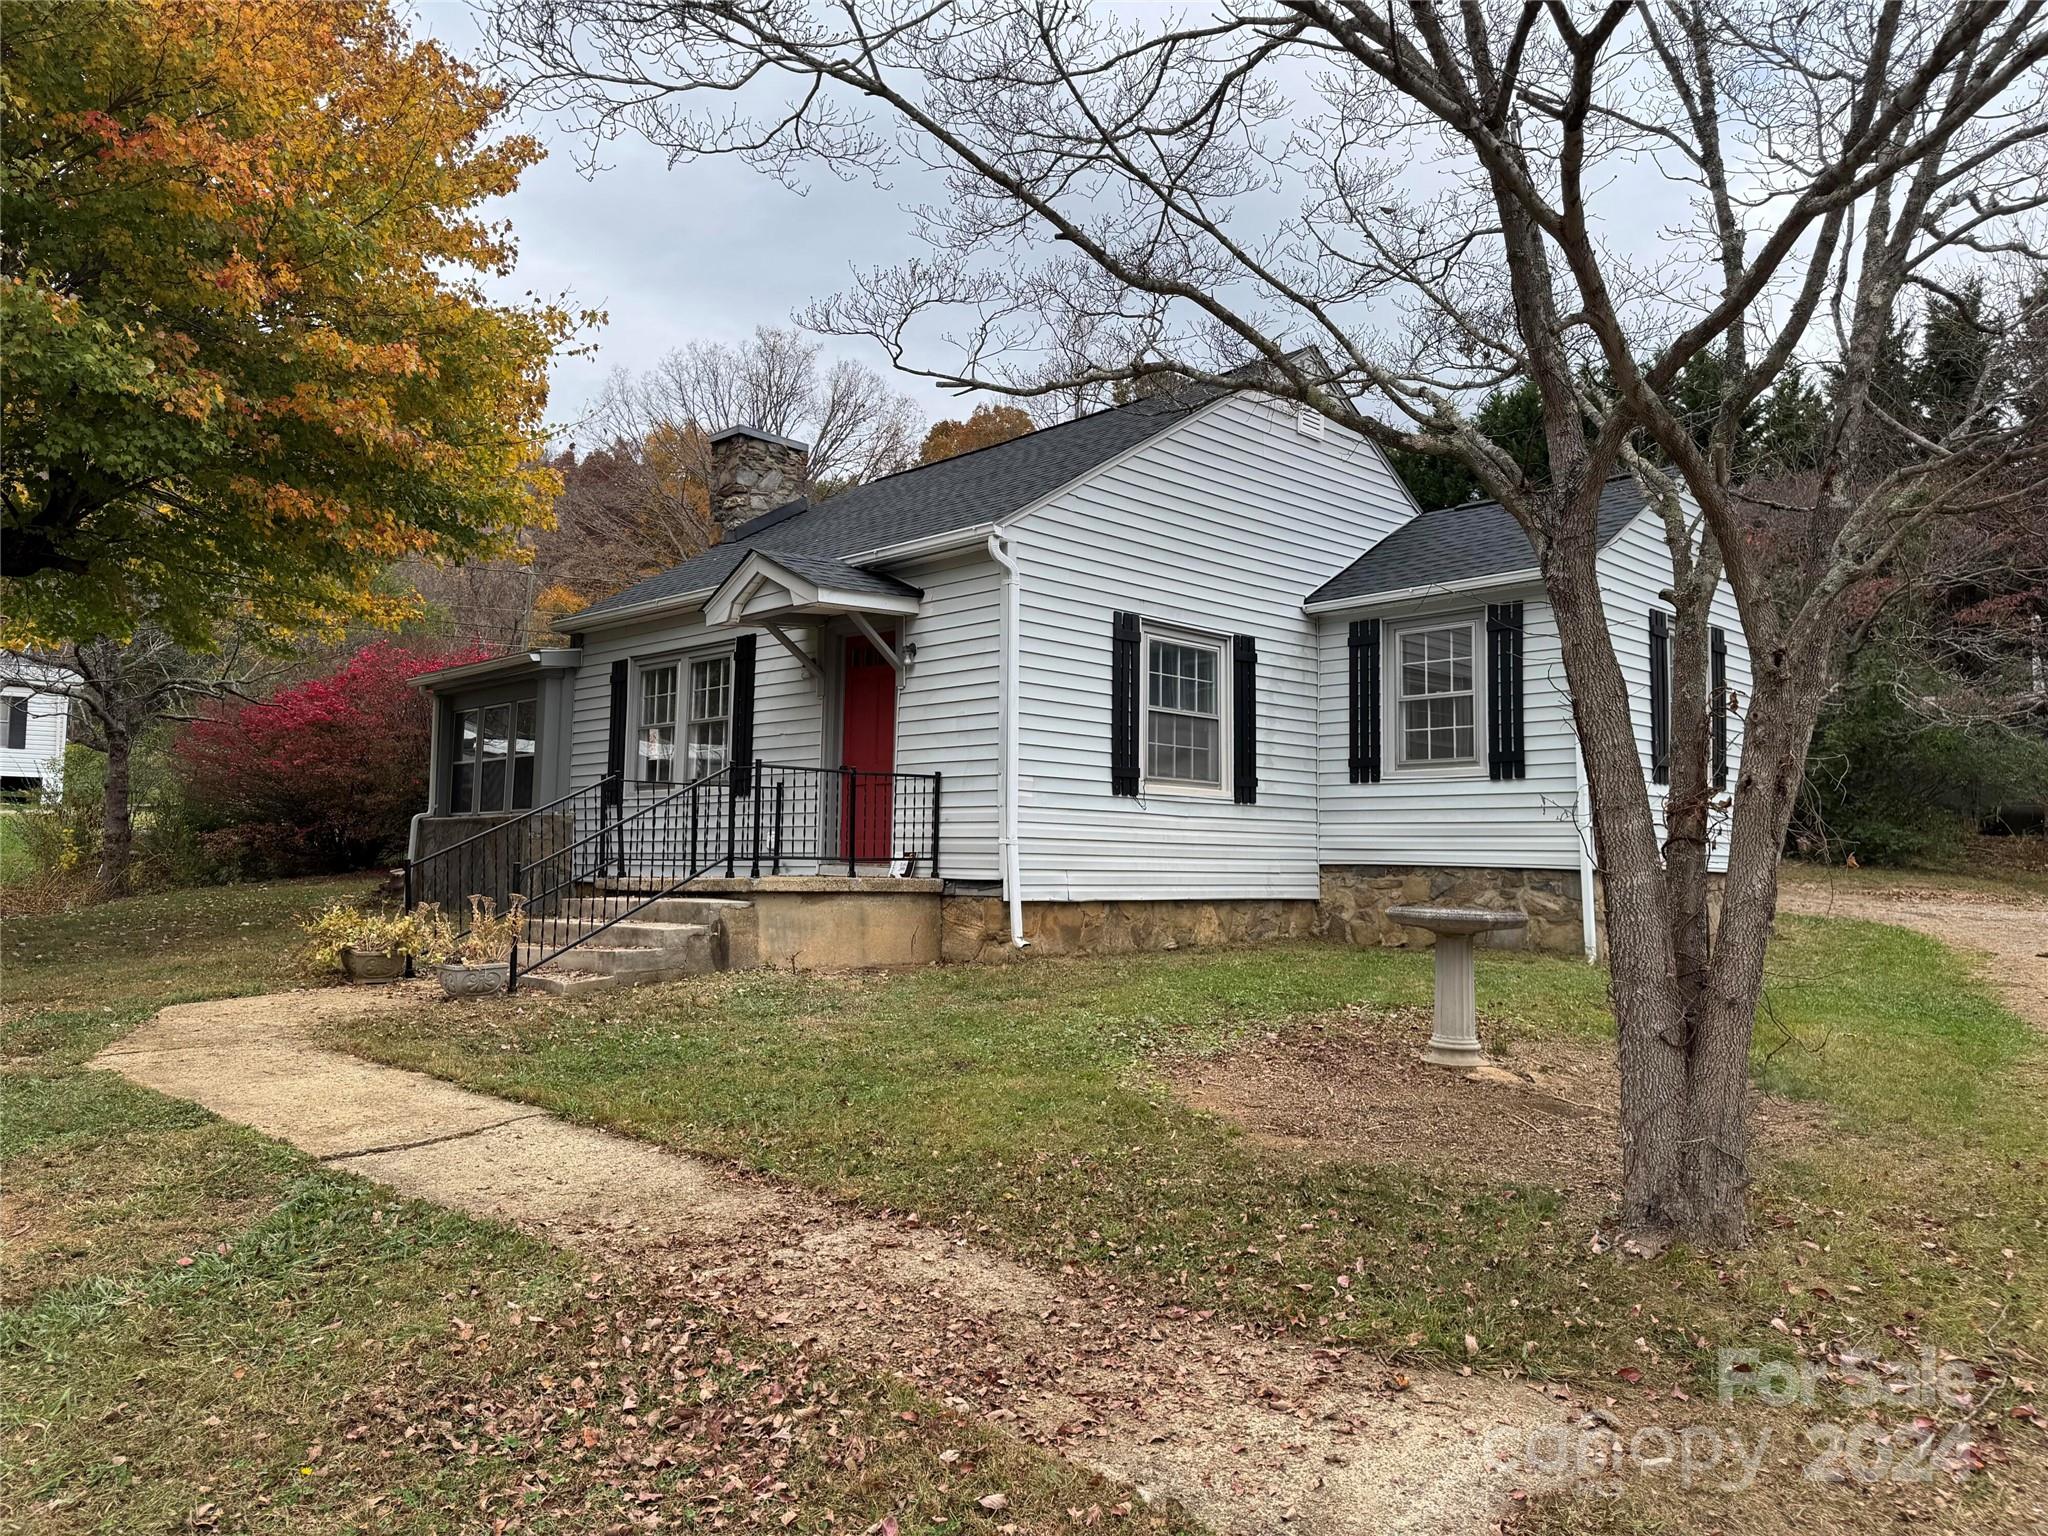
x=771, y=585
x=500, y=668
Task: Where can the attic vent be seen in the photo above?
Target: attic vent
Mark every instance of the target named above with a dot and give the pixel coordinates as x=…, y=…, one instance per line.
x=1309, y=421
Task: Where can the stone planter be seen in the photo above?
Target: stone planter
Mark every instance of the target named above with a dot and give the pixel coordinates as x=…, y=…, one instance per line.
x=371, y=968
x=475, y=980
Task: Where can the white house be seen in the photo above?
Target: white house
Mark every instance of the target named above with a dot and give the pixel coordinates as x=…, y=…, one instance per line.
x=33, y=727
x=1184, y=670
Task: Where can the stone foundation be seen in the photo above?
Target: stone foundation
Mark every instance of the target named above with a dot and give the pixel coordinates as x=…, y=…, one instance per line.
x=978, y=927
x=1356, y=898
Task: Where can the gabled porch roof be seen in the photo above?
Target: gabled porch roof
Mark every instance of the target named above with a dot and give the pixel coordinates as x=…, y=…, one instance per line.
x=772, y=585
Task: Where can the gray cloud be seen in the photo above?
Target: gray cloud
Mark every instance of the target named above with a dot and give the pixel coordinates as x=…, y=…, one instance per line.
x=705, y=251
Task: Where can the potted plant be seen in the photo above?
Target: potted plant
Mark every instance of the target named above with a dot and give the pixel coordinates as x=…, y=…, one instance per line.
x=479, y=962
x=368, y=947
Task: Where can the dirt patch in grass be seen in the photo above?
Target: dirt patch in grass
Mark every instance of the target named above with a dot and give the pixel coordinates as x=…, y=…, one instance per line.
x=1352, y=1087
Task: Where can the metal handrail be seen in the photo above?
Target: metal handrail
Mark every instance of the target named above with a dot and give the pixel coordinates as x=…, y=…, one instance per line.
x=539, y=810
x=536, y=902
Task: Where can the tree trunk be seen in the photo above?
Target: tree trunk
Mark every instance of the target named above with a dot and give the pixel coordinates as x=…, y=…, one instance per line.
x=1649, y=1021
x=1777, y=729
x=117, y=825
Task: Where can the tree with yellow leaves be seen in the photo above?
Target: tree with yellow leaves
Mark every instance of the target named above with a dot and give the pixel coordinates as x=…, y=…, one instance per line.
x=248, y=359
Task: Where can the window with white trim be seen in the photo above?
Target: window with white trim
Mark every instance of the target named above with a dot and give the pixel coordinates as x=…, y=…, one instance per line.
x=1185, y=678
x=710, y=732
x=1436, y=695
x=17, y=722
x=658, y=724
x=684, y=727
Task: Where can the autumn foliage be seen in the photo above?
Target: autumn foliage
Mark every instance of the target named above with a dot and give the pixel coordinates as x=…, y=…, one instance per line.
x=322, y=776
x=249, y=362
x=989, y=425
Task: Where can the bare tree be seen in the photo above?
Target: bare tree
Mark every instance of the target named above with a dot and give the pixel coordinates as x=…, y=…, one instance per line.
x=855, y=426
x=118, y=690
x=1441, y=198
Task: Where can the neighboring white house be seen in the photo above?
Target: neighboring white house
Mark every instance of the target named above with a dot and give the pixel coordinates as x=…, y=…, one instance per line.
x=1185, y=670
x=33, y=727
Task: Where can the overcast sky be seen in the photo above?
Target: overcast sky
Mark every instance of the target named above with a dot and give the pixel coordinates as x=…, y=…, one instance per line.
x=713, y=249
x=705, y=251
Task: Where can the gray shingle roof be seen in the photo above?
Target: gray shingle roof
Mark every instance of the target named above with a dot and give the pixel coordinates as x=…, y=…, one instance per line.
x=962, y=492
x=1468, y=542
x=840, y=576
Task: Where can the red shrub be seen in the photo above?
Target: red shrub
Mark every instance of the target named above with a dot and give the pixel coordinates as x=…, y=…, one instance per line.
x=323, y=775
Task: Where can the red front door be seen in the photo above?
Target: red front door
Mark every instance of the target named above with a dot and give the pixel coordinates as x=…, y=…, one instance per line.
x=867, y=736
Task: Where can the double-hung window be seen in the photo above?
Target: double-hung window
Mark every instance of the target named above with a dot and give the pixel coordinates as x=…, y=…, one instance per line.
x=710, y=714
x=658, y=724
x=1436, y=694
x=1184, y=685
x=687, y=704
x=17, y=722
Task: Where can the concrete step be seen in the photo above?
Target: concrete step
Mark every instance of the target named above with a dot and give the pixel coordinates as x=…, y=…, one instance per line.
x=635, y=933
x=670, y=909
x=560, y=982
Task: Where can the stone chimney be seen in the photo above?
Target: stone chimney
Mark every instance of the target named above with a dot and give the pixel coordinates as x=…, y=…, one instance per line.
x=754, y=472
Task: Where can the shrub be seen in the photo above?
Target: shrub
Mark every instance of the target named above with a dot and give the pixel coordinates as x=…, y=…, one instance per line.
x=1890, y=786
x=55, y=846
x=322, y=777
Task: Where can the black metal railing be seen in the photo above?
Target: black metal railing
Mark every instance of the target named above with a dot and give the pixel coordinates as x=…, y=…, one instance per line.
x=603, y=854
x=584, y=888
x=821, y=821
x=486, y=863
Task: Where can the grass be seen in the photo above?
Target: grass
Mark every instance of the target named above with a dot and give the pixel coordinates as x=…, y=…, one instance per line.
x=203, y=1330
x=1014, y=1103
x=1020, y=1106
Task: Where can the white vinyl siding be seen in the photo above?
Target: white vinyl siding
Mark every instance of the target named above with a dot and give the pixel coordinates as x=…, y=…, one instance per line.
x=1457, y=816
x=1634, y=569
x=41, y=753
x=1221, y=526
x=1447, y=818
x=948, y=711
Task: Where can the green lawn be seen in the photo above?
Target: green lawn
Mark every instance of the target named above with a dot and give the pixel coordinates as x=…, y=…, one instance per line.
x=1015, y=1103
x=203, y=1330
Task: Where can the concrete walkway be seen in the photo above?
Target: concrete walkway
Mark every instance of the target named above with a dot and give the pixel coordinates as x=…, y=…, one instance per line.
x=1248, y=1434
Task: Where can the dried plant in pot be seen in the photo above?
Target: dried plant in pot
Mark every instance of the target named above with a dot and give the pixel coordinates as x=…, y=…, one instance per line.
x=369, y=947
x=479, y=962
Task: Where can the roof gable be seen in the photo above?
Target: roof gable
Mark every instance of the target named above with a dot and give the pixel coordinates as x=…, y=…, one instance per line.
x=966, y=491
x=1472, y=542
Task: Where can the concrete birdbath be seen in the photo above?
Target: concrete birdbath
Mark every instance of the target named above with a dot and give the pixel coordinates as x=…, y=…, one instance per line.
x=1454, y=1042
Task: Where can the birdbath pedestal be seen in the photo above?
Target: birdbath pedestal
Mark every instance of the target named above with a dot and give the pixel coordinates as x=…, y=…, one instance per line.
x=1454, y=1042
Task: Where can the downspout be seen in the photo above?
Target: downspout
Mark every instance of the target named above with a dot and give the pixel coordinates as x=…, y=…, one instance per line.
x=1582, y=826
x=1013, y=889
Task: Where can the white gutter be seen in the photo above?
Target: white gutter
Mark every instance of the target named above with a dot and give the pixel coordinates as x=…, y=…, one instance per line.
x=1369, y=600
x=646, y=608
x=1582, y=826
x=999, y=551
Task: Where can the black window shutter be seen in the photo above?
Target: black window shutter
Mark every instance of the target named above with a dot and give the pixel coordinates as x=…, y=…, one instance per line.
x=743, y=714
x=1123, y=703
x=615, y=739
x=1244, y=709
x=1719, y=680
x=1504, y=759
x=1365, y=701
x=1660, y=697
